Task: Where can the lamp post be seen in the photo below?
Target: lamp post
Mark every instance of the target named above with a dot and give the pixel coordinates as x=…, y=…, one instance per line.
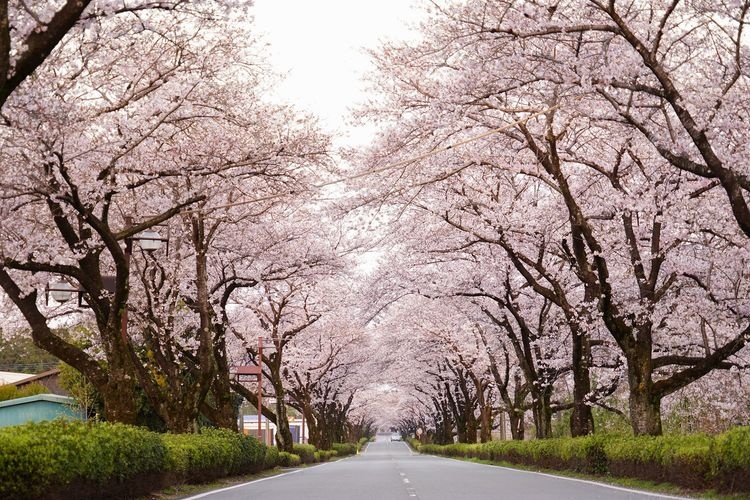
x=148, y=240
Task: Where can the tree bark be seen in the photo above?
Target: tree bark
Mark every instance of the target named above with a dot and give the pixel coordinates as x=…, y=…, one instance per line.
x=516, y=419
x=645, y=404
x=581, y=419
x=284, y=440
x=543, y=413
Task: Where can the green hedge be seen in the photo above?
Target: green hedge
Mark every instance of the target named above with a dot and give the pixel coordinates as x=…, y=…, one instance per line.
x=69, y=459
x=36, y=457
x=306, y=453
x=731, y=465
x=60, y=459
x=324, y=455
x=289, y=459
x=344, y=449
x=694, y=461
x=272, y=457
x=213, y=453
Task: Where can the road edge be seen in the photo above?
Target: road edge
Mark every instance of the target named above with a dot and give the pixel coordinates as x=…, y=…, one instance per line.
x=568, y=478
x=235, y=486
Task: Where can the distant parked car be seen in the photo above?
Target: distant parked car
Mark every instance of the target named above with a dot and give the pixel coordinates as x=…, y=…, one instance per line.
x=395, y=437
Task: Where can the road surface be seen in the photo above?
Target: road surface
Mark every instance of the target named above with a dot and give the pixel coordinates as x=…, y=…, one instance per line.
x=390, y=471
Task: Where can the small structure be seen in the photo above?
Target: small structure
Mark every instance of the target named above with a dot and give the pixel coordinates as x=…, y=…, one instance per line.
x=49, y=379
x=268, y=434
x=38, y=408
x=10, y=378
x=249, y=426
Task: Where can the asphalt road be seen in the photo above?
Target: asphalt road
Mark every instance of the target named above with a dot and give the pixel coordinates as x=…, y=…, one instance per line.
x=390, y=471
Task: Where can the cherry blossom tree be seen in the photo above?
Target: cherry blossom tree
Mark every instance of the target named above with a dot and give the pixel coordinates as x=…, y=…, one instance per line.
x=583, y=200
x=106, y=133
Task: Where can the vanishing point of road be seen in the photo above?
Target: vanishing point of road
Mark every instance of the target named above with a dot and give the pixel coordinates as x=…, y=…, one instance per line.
x=391, y=471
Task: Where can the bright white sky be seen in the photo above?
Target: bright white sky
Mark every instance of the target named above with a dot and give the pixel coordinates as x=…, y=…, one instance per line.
x=320, y=46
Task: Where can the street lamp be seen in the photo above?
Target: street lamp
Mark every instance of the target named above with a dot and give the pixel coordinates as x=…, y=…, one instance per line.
x=60, y=291
x=150, y=240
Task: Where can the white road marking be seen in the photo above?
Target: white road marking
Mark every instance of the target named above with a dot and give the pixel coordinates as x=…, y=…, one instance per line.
x=209, y=493
x=604, y=485
x=406, y=481
x=408, y=448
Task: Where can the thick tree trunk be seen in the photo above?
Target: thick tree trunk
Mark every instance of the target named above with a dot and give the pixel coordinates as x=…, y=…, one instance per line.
x=645, y=405
x=645, y=414
x=283, y=433
x=119, y=403
x=485, y=429
x=313, y=431
x=582, y=419
x=471, y=424
x=516, y=425
x=543, y=414
x=224, y=414
x=179, y=422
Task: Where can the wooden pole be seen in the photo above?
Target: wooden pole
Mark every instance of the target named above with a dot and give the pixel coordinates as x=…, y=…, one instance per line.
x=260, y=388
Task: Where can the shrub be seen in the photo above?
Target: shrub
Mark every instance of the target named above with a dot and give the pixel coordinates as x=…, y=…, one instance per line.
x=683, y=460
x=213, y=453
x=693, y=461
x=36, y=457
x=324, y=455
x=289, y=459
x=731, y=464
x=733, y=449
x=343, y=449
x=306, y=453
x=9, y=391
x=272, y=457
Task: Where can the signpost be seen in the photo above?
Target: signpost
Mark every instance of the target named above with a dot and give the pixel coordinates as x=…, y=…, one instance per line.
x=256, y=370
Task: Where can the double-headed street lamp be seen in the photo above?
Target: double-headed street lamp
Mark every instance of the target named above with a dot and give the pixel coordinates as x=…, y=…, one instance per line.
x=62, y=291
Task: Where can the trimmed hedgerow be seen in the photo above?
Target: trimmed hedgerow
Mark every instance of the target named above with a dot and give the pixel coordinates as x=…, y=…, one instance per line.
x=272, y=457
x=344, y=449
x=324, y=455
x=213, y=453
x=306, y=453
x=36, y=457
x=731, y=466
x=694, y=461
x=60, y=459
x=289, y=459
x=683, y=460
